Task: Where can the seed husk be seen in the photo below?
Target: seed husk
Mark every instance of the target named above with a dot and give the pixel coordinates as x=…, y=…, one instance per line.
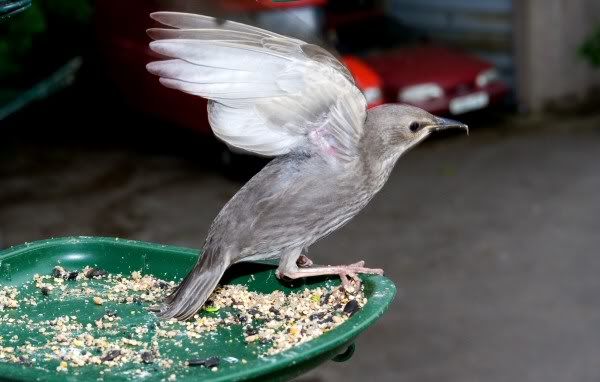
x=351, y=307
x=95, y=272
x=111, y=355
x=209, y=362
x=147, y=357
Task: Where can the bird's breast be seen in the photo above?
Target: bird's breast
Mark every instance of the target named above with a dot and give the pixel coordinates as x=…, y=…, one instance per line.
x=291, y=208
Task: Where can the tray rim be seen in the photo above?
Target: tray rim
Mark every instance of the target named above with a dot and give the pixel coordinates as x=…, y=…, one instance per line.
x=311, y=350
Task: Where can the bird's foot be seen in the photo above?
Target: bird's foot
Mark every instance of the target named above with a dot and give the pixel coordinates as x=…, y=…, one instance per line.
x=348, y=273
x=304, y=262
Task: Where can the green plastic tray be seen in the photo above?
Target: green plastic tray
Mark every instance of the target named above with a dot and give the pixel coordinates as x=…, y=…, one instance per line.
x=12, y=7
x=18, y=264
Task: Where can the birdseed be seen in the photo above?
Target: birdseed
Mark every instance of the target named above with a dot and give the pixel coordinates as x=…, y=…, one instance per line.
x=107, y=339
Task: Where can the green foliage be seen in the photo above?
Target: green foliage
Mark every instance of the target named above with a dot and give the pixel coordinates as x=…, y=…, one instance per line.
x=590, y=49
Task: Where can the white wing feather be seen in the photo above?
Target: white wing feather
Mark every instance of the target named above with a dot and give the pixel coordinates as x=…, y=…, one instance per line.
x=269, y=94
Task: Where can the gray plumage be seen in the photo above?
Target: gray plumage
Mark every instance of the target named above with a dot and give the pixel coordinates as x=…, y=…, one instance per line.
x=279, y=96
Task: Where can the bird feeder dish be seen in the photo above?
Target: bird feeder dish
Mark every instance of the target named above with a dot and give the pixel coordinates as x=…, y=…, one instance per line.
x=18, y=265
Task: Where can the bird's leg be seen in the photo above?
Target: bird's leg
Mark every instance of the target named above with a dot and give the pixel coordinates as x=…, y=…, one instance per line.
x=347, y=273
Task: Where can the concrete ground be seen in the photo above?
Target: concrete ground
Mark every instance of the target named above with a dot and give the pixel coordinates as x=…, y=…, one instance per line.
x=492, y=239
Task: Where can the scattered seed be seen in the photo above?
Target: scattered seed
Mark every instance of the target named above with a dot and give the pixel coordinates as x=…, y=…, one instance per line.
x=111, y=355
x=351, y=307
x=147, y=357
x=231, y=360
x=24, y=361
x=271, y=322
x=294, y=331
x=326, y=320
x=95, y=272
x=58, y=272
x=163, y=284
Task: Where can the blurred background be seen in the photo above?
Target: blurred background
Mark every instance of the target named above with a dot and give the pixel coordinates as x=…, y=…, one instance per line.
x=492, y=239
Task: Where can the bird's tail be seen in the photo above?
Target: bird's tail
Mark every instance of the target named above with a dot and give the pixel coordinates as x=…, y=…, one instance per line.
x=195, y=288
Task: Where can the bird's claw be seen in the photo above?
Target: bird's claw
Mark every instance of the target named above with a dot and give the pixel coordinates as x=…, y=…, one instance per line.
x=349, y=275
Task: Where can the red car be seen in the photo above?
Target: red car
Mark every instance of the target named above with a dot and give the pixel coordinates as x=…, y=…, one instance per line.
x=435, y=78
x=367, y=79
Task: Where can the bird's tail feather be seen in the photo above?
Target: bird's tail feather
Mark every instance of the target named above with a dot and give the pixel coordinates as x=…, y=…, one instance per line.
x=195, y=288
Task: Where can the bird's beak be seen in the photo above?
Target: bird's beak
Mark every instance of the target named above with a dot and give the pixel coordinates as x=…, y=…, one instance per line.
x=445, y=123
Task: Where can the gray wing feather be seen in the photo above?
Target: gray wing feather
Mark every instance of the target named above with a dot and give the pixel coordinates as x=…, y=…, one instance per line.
x=268, y=93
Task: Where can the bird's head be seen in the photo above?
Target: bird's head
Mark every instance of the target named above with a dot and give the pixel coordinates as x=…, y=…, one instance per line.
x=396, y=128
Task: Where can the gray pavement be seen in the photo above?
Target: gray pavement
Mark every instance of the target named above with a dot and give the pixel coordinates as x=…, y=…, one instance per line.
x=492, y=239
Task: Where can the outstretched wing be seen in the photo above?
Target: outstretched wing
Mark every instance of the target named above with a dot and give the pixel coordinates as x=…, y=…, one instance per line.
x=268, y=93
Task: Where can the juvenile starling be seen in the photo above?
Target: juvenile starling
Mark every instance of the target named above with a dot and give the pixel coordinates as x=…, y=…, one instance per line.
x=278, y=96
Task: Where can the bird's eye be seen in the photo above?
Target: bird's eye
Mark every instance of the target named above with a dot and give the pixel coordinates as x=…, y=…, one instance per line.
x=414, y=126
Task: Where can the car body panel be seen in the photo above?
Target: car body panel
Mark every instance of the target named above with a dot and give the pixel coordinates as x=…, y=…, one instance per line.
x=404, y=57
x=453, y=71
x=422, y=64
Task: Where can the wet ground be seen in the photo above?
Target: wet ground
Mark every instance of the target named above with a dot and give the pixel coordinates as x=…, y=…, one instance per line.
x=492, y=239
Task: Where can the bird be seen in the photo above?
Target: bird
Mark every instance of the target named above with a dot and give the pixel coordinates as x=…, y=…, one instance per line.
x=280, y=97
